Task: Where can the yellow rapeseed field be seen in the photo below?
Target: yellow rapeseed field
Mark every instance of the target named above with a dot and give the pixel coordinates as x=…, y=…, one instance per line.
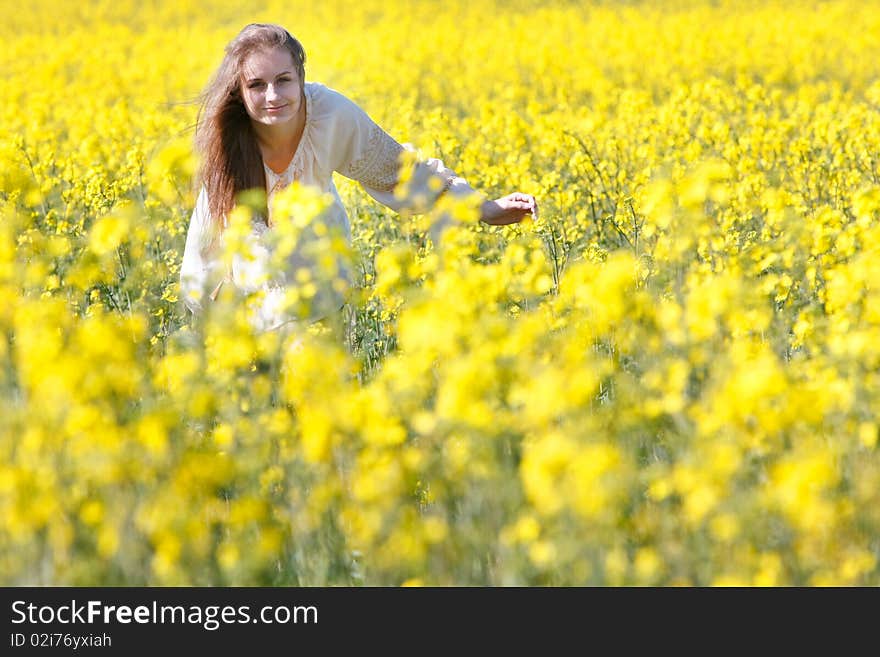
x=671, y=377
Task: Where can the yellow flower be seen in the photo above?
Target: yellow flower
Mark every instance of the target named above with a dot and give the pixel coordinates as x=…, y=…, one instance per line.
x=108, y=233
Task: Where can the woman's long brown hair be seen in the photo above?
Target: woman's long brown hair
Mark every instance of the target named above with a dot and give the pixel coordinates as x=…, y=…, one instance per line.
x=230, y=157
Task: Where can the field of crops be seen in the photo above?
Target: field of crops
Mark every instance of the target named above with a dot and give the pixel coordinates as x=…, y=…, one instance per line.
x=670, y=377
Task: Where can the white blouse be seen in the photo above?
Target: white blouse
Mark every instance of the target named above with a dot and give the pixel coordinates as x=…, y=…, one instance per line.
x=338, y=136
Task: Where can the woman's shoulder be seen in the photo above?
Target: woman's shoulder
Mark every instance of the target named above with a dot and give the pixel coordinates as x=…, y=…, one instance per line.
x=327, y=102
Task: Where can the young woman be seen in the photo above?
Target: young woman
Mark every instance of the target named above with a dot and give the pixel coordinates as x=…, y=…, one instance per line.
x=262, y=126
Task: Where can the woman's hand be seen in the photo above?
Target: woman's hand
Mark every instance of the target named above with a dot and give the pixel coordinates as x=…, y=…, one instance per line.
x=510, y=209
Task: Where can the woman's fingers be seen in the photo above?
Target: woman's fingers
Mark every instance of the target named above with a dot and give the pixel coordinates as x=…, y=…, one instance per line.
x=509, y=209
x=521, y=201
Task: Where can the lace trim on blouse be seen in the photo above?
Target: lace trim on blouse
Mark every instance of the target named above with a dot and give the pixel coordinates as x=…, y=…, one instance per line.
x=379, y=165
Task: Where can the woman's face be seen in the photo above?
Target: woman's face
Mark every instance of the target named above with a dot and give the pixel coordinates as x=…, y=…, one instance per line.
x=270, y=86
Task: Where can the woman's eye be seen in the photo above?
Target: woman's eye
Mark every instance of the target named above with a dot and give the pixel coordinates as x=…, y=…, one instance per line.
x=255, y=85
